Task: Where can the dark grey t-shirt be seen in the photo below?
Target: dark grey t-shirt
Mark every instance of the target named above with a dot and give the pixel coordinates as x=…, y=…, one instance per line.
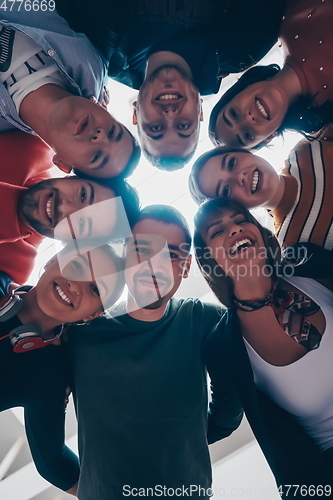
x=141, y=402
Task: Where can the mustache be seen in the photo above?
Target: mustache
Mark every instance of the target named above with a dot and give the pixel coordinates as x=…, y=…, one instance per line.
x=158, y=277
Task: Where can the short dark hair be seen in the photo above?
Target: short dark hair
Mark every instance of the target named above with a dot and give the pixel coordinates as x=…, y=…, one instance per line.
x=221, y=284
x=169, y=163
x=129, y=167
x=198, y=165
x=301, y=115
x=168, y=215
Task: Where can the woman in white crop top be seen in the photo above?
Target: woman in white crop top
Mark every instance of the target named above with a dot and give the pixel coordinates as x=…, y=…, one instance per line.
x=282, y=325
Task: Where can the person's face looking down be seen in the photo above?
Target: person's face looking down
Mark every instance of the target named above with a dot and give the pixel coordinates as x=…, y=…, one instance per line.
x=239, y=176
x=86, y=137
x=252, y=117
x=46, y=204
x=157, y=259
x=75, y=286
x=232, y=240
x=168, y=113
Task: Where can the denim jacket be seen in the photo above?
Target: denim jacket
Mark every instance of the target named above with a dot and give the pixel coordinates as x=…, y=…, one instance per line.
x=82, y=67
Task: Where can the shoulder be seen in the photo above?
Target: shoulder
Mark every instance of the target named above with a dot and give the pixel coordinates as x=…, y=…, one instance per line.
x=198, y=309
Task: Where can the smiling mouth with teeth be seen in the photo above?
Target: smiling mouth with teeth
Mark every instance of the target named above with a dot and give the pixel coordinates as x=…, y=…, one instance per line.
x=62, y=294
x=240, y=245
x=261, y=108
x=168, y=97
x=255, y=181
x=48, y=207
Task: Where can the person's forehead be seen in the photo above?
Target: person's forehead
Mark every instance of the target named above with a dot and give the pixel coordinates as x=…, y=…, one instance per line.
x=223, y=214
x=154, y=230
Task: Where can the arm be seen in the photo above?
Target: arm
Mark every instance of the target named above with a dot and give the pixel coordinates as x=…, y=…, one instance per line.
x=44, y=423
x=225, y=411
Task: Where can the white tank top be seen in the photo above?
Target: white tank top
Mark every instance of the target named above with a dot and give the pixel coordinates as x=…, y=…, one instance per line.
x=305, y=387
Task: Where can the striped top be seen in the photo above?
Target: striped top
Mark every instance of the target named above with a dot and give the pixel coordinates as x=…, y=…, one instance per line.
x=305, y=212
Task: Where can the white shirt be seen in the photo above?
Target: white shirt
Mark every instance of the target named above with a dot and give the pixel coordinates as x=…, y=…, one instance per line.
x=24, y=67
x=305, y=387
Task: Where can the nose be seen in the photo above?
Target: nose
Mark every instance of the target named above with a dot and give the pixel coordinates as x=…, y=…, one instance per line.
x=235, y=229
x=74, y=287
x=66, y=208
x=250, y=117
x=170, y=110
x=241, y=178
x=98, y=136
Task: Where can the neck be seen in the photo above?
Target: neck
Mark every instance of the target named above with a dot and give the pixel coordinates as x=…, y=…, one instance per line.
x=36, y=108
x=274, y=201
x=159, y=59
x=31, y=314
x=288, y=83
x=135, y=312
x=254, y=285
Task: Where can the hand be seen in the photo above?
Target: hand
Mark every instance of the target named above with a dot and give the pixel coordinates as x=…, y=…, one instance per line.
x=73, y=490
x=106, y=97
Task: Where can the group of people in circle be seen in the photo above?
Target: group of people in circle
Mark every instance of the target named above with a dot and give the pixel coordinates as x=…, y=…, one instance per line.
x=137, y=368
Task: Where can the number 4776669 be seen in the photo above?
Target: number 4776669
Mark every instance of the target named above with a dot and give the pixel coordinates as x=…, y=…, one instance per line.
x=27, y=5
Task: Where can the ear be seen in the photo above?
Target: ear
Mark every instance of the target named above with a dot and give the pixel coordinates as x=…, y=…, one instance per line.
x=201, y=114
x=187, y=266
x=61, y=165
x=134, y=117
x=93, y=316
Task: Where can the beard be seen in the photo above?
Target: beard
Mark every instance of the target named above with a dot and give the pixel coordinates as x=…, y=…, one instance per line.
x=29, y=204
x=150, y=298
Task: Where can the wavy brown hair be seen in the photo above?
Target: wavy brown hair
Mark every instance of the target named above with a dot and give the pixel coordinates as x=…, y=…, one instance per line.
x=220, y=283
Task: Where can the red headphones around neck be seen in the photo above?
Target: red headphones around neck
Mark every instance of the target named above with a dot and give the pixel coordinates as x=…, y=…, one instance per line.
x=24, y=337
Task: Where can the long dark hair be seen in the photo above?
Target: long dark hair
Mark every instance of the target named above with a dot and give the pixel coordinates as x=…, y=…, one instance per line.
x=220, y=283
x=302, y=115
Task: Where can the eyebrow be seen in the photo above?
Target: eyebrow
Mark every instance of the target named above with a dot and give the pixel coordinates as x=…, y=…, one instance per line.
x=90, y=226
x=176, y=248
x=155, y=137
x=120, y=135
x=228, y=122
x=218, y=186
x=220, y=221
x=184, y=136
x=100, y=281
x=104, y=161
x=141, y=242
x=92, y=194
